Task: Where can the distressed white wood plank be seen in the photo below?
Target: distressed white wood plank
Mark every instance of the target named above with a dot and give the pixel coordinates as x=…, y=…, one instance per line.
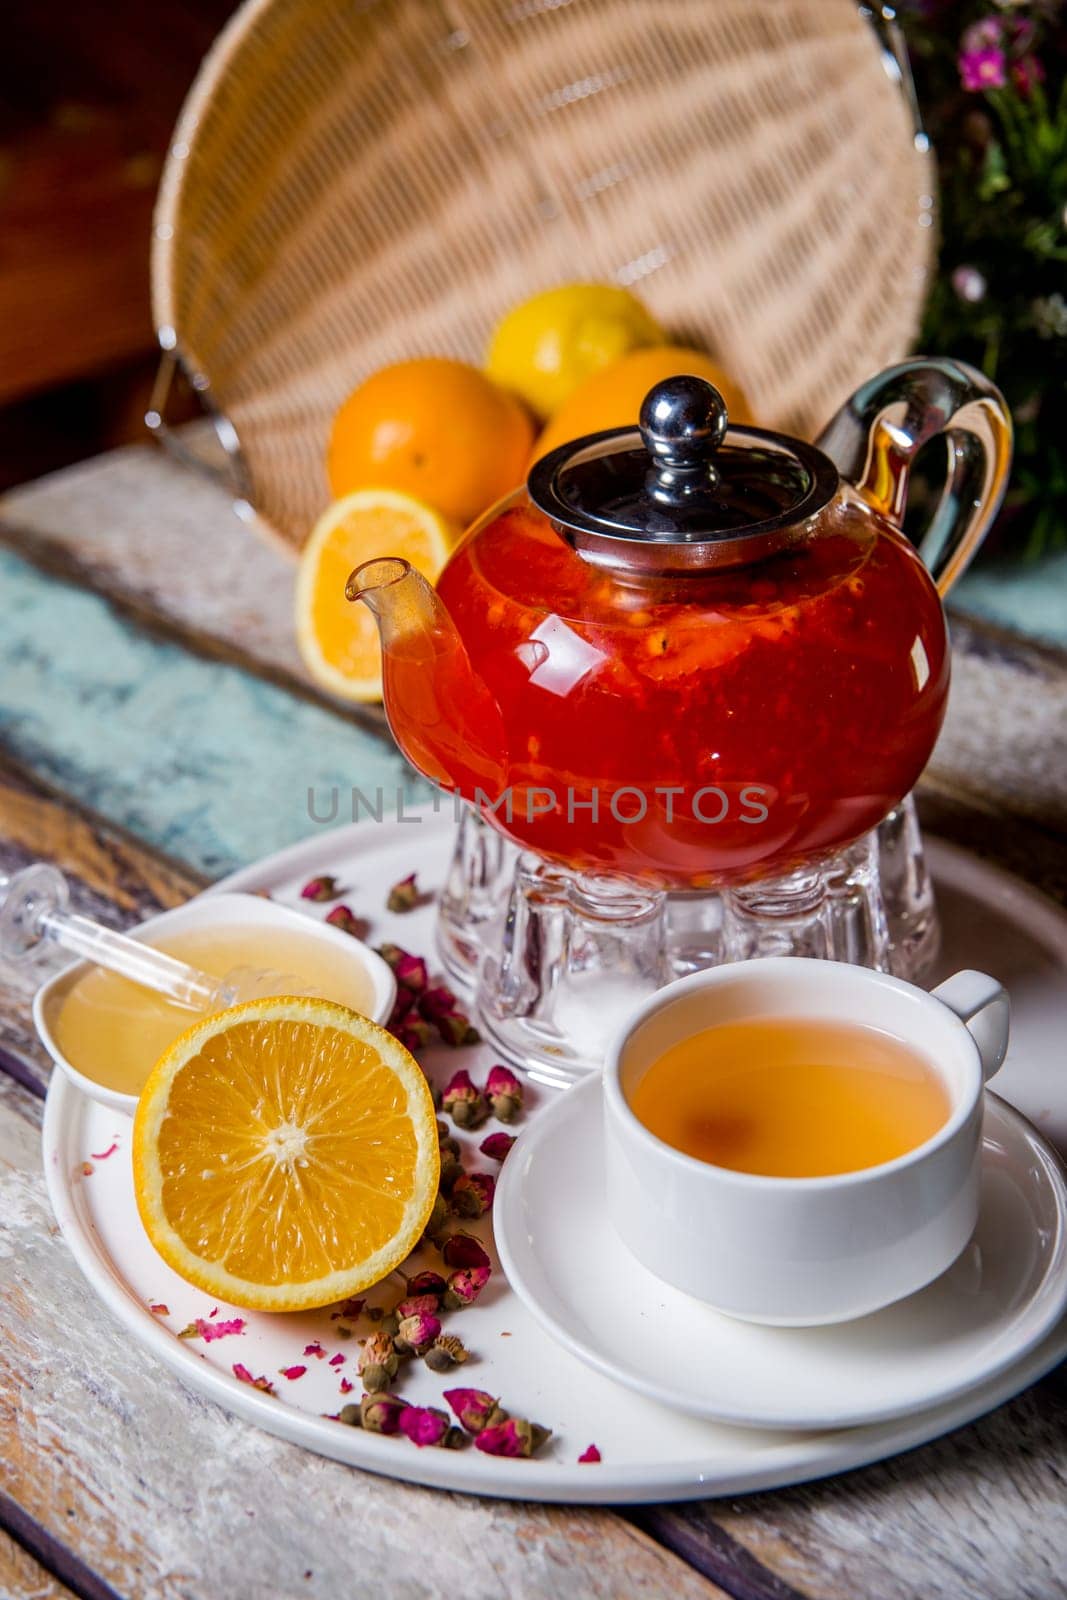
x=138, y=526
x=167, y=1497
x=981, y=1515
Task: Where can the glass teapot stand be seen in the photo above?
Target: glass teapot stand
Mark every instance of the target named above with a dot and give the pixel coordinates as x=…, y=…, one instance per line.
x=555, y=958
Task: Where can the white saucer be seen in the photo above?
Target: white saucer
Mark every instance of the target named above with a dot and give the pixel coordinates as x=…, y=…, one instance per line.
x=565, y=1261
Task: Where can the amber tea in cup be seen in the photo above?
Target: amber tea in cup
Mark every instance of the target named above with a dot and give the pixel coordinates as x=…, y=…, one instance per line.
x=792, y=1098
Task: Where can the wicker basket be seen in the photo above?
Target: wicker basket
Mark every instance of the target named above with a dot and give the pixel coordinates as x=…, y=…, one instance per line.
x=354, y=181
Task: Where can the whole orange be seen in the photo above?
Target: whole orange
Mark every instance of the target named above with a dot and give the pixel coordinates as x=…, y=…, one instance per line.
x=612, y=397
x=439, y=430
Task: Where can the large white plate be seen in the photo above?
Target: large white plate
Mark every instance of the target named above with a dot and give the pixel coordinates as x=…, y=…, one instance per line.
x=649, y=1452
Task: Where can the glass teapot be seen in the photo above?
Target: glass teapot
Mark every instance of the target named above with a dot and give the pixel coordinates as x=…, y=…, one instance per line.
x=693, y=653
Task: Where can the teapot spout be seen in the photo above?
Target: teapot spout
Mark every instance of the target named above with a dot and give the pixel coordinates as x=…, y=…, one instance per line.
x=405, y=607
x=441, y=712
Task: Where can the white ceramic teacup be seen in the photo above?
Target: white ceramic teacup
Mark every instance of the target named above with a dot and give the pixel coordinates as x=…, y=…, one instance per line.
x=800, y=1251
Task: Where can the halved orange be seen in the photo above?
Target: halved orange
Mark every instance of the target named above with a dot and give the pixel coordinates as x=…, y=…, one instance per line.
x=285, y=1154
x=338, y=641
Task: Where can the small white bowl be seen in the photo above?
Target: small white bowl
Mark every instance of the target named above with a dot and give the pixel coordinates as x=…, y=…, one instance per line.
x=209, y=911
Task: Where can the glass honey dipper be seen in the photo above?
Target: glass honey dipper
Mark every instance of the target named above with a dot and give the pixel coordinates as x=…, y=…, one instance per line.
x=35, y=914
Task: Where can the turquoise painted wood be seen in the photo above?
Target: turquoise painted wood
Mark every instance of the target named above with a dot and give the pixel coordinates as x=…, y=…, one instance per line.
x=197, y=758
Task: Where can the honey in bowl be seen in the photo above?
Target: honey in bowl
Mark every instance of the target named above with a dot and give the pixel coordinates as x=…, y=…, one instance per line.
x=114, y=1031
x=792, y=1097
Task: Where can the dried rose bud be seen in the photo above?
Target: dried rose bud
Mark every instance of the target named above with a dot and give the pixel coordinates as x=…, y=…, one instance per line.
x=455, y=1439
x=456, y=1029
x=417, y=1334
x=418, y=1305
x=504, y=1092
x=446, y=1352
x=351, y=1415
x=451, y=1172
x=388, y=1323
x=475, y=1409
x=439, y=1219
x=590, y=1453
x=424, y=1425
x=426, y=1283
x=403, y=896
x=497, y=1146
x=324, y=888
x=381, y=1412
x=515, y=1437
x=445, y=1141
x=437, y=1002
x=472, y=1194
x=414, y=1034
x=377, y=1362
x=392, y=954
x=465, y=1104
x=344, y=917
x=464, y=1287
x=411, y=972
x=464, y=1250
x=403, y=1006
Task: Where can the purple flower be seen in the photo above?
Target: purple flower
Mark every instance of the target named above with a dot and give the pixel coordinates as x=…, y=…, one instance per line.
x=982, y=69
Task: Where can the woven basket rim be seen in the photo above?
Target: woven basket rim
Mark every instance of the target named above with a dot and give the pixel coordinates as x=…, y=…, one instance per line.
x=174, y=176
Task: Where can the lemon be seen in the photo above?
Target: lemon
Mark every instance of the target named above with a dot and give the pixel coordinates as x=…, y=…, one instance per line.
x=546, y=347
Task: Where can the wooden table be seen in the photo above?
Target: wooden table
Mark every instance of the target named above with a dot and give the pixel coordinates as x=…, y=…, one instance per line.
x=157, y=729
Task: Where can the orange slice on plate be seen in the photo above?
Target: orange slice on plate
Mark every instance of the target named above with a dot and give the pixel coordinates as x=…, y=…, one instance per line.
x=339, y=641
x=285, y=1154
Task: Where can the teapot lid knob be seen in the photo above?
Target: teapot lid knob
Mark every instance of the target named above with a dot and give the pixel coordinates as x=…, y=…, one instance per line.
x=683, y=421
x=683, y=418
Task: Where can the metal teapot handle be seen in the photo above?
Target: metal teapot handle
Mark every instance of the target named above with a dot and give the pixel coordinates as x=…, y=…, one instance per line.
x=874, y=438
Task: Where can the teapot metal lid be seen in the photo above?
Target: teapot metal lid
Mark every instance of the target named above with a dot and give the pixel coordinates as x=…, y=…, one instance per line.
x=684, y=491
